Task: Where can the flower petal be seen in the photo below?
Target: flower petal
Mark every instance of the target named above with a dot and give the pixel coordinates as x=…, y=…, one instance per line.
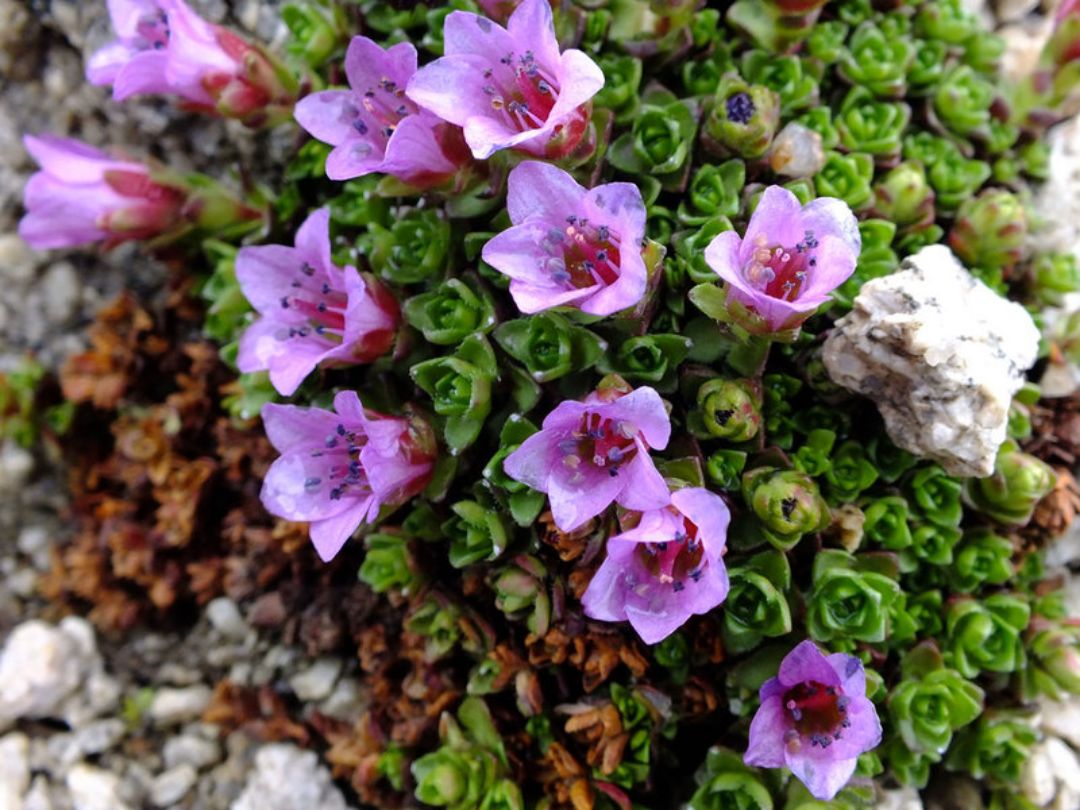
x=828, y=216
x=414, y=149
x=265, y=273
x=290, y=427
x=144, y=74
x=330, y=534
x=468, y=33
x=644, y=409
x=709, y=513
x=531, y=27
x=627, y=290
x=580, y=78
x=807, y=663
x=532, y=462
x=723, y=255
x=835, y=264
x=313, y=241
x=452, y=87
x=824, y=778
x=777, y=218
x=851, y=673
x=619, y=205
x=605, y=597
x=287, y=494
x=642, y=485
x=765, y=748
x=537, y=190
x=367, y=63
x=289, y=360
x=105, y=63
x=576, y=496
x=328, y=116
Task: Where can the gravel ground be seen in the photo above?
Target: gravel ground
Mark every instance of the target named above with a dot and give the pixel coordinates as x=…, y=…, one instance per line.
x=96, y=724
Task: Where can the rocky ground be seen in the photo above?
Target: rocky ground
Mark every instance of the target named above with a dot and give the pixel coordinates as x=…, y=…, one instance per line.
x=93, y=723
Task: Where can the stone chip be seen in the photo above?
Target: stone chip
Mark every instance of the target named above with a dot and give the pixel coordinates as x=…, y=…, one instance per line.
x=941, y=356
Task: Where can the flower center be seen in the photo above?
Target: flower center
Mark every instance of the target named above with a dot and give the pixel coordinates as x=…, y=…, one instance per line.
x=780, y=272
x=581, y=254
x=740, y=108
x=381, y=110
x=601, y=442
x=674, y=561
x=817, y=712
x=344, y=474
x=153, y=30
x=317, y=300
x=521, y=92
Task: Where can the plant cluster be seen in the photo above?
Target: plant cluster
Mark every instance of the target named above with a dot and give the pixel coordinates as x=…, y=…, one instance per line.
x=534, y=318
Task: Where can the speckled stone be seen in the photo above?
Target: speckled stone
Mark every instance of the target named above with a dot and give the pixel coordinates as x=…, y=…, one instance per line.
x=941, y=356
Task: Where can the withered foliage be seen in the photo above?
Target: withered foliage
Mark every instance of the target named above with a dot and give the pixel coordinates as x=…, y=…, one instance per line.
x=165, y=516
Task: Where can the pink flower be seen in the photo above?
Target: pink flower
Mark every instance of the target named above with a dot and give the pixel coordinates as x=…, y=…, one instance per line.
x=337, y=470
x=588, y=454
x=81, y=195
x=311, y=312
x=135, y=61
x=570, y=246
x=510, y=88
x=375, y=127
x=788, y=261
x=162, y=46
x=814, y=719
x=666, y=569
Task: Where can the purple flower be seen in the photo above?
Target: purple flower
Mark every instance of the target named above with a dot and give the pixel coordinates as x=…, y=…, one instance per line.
x=510, y=88
x=666, y=569
x=570, y=246
x=588, y=454
x=789, y=260
x=135, y=61
x=311, y=312
x=81, y=195
x=162, y=46
x=814, y=719
x=375, y=127
x=337, y=470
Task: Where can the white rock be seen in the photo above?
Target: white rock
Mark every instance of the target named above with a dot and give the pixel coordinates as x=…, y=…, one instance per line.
x=42, y=666
x=38, y=797
x=906, y=798
x=1062, y=720
x=797, y=152
x=940, y=354
x=1065, y=549
x=1056, y=201
x=226, y=618
x=16, y=258
x=94, y=789
x=317, y=681
x=171, y=786
x=287, y=778
x=1065, y=763
x=1061, y=379
x=172, y=706
x=61, y=293
x=192, y=750
x=1014, y=10
x=14, y=770
x=1037, y=780
x=346, y=702
x=1023, y=43
x=16, y=464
